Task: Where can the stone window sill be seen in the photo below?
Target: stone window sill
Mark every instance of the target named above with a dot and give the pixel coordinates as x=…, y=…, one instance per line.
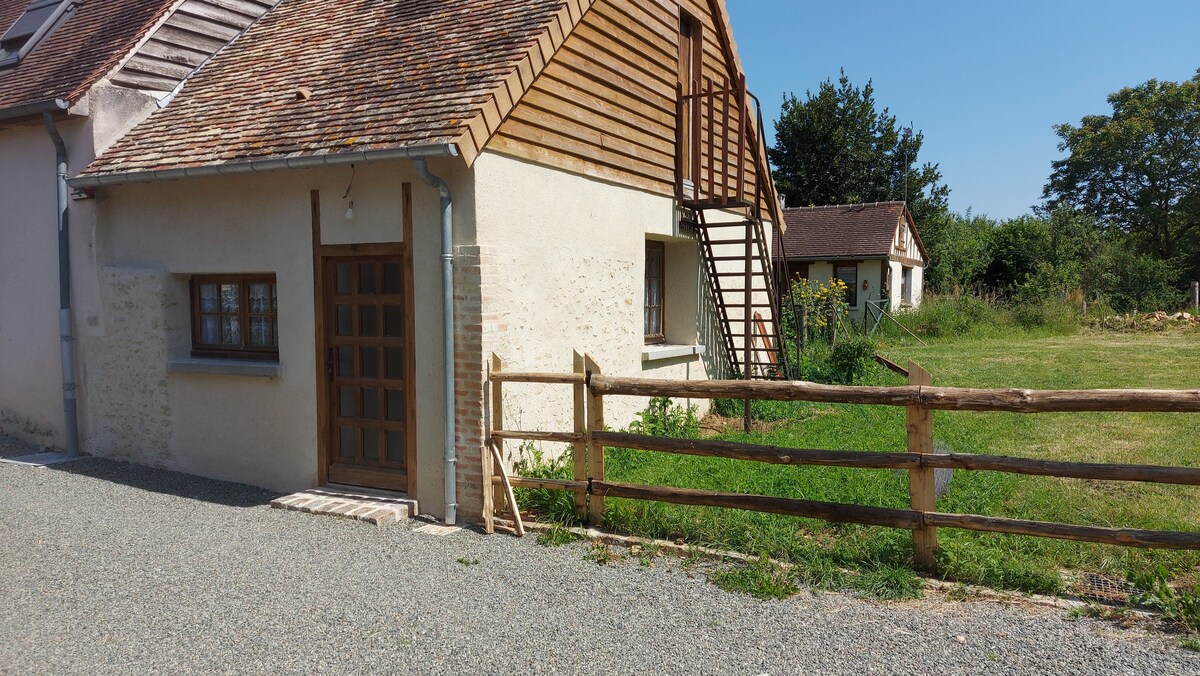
x=657, y=352
x=224, y=367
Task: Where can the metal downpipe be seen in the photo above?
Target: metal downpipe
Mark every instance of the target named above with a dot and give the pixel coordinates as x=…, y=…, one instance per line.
x=65, y=328
x=447, y=212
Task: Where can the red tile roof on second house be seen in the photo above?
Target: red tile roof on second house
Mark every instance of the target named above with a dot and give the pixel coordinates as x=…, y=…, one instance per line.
x=315, y=76
x=842, y=231
x=89, y=43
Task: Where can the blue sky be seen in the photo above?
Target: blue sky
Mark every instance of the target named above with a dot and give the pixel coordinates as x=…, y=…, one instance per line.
x=985, y=81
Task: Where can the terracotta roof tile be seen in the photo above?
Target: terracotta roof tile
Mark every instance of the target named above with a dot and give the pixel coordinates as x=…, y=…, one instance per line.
x=83, y=49
x=841, y=231
x=382, y=74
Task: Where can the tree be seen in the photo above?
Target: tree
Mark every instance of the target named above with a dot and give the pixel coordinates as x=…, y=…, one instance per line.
x=959, y=248
x=834, y=148
x=1138, y=169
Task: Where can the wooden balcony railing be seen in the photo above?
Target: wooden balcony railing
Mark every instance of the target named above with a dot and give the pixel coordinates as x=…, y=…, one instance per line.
x=710, y=159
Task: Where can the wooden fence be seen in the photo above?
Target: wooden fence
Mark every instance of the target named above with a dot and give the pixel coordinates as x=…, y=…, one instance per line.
x=919, y=398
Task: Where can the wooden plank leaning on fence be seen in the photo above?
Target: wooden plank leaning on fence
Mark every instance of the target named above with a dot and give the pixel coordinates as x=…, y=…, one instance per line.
x=579, y=448
x=595, y=454
x=490, y=491
x=921, y=483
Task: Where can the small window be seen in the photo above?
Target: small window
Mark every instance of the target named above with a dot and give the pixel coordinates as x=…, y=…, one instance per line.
x=37, y=13
x=849, y=276
x=655, y=278
x=235, y=316
x=906, y=284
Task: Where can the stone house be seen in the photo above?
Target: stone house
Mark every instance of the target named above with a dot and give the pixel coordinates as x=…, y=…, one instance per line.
x=873, y=248
x=292, y=266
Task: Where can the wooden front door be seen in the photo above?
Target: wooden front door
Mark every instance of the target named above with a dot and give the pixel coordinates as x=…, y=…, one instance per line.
x=369, y=363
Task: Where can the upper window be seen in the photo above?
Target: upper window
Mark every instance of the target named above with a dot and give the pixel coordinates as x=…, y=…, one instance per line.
x=235, y=316
x=849, y=276
x=38, y=13
x=655, y=283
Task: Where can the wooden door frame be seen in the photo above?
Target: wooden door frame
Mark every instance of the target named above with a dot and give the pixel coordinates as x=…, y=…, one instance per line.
x=403, y=249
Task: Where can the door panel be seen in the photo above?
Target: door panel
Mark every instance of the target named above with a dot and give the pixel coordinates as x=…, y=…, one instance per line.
x=371, y=436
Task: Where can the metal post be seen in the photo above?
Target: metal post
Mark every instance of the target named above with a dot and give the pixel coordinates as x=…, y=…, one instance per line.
x=747, y=341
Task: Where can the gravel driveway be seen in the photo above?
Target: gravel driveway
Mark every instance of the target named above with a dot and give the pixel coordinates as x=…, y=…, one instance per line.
x=108, y=567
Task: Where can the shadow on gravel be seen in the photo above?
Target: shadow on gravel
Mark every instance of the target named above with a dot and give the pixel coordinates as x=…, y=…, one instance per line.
x=168, y=482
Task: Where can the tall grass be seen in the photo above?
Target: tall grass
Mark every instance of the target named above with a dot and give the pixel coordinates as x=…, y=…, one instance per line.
x=985, y=316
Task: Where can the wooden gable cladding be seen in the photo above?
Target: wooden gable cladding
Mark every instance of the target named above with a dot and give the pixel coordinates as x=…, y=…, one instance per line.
x=192, y=33
x=606, y=104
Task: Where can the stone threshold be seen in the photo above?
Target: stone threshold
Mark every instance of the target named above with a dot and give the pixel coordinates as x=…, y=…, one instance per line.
x=361, y=504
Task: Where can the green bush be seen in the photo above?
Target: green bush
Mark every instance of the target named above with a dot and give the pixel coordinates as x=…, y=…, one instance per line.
x=850, y=359
x=662, y=419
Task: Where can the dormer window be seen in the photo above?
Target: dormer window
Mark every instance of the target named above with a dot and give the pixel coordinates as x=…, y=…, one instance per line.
x=39, y=18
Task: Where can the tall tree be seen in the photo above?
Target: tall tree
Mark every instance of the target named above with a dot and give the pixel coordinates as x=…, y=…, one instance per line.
x=1138, y=169
x=833, y=147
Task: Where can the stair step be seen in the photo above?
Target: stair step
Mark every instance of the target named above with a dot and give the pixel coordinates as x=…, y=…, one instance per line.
x=729, y=224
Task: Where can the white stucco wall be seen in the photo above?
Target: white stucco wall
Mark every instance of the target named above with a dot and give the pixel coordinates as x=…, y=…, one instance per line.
x=30, y=378
x=30, y=372
x=571, y=276
x=251, y=429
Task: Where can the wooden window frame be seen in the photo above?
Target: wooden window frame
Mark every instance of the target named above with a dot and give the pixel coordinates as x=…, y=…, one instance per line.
x=851, y=290
x=661, y=249
x=243, y=315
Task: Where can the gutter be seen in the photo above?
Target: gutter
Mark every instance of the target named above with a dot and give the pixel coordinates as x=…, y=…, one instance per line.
x=65, y=328
x=272, y=164
x=37, y=108
x=451, y=457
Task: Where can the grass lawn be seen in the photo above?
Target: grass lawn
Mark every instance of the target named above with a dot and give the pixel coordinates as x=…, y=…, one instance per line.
x=1089, y=360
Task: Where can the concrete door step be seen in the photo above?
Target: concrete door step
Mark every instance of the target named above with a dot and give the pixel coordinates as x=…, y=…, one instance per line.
x=362, y=504
x=42, y=459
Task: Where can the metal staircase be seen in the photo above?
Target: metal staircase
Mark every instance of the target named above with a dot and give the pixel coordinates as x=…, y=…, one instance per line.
x=721, y=190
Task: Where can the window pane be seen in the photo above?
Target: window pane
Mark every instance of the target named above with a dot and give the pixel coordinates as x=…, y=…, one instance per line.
x=654, y=292
x=342, y=279
x=654, y=326
x=260, y=298
x=393, y=321
x=274, y=298
x=208, y=298
x=366, y=279
x=395, y=405
x=394, y=368
x=370, y=398
x=260, y=332
x=345, y=320
x=210, y=333
x=392, y=280
x=347, y=407
x=349, y=445
x=368, y=320
x=395, y=446
x=369, y=362
x=229, y=298
x=371, y=444
x=231, y=331
x=345, y=361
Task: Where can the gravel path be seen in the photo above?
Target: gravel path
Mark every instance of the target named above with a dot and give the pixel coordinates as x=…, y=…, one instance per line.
x=108, y=567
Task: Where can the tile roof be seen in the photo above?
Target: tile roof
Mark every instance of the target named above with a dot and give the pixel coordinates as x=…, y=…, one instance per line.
x=382, y=74
x=83, y=49
x=842, y=231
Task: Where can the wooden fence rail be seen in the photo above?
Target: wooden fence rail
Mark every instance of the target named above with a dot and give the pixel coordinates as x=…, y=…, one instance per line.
x=919, y=398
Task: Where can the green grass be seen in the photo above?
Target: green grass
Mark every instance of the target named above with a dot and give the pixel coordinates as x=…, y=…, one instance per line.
x=879, y=557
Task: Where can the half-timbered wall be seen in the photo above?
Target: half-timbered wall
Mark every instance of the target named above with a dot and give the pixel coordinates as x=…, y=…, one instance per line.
x=606, y=104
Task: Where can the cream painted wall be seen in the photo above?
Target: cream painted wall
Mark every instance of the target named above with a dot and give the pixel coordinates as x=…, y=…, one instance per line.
x=572, y=276
x=30, y=377
x=30, y=370
x=247, y=428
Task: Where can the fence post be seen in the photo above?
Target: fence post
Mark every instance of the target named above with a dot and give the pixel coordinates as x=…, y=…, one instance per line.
x=579, y=448
x=1196, y=297
x=921, y=482
x=490, y=491
x=595, y=468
